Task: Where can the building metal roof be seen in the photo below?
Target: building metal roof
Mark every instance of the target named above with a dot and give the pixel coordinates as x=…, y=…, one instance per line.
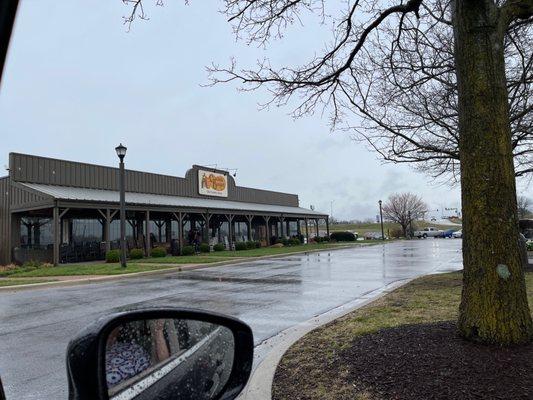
x=132, y=198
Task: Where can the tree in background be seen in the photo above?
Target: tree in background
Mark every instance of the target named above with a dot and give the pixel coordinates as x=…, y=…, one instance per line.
x=345, y=77
x=524, y=207
x=403, y=208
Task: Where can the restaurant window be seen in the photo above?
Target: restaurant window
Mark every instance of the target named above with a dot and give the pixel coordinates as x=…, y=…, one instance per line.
x=86, y=230
x=36, y=232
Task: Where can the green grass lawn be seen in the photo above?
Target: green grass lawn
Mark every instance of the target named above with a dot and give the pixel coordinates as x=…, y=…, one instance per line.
x=376, y=227
x=84, y=269
x=199, y=259
x=428, y=299
x=16, y=282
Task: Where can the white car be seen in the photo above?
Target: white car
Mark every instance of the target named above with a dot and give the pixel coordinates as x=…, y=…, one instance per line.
x=458, y=234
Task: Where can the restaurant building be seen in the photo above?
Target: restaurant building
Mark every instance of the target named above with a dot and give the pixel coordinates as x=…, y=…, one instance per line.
x=61, y=211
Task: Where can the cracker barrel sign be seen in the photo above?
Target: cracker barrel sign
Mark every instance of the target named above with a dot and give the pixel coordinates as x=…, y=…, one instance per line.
x=212, y=183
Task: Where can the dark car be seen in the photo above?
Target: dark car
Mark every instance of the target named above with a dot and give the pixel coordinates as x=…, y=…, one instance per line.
x=447, y=233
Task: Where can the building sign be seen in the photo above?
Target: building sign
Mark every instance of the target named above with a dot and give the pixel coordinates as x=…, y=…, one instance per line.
x=212, y=183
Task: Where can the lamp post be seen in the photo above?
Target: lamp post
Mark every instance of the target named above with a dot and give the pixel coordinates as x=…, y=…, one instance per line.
x=121, y=153
x=381, y=219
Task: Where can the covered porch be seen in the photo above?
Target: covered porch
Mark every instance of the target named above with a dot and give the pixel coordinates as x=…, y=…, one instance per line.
x=84, y=228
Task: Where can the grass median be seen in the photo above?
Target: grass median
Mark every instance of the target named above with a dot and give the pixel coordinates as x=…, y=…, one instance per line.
x=82, y=269
x=17, y=282
x=328, y=362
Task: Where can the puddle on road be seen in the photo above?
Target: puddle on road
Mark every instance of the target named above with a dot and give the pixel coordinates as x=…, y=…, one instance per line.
x=229, y=279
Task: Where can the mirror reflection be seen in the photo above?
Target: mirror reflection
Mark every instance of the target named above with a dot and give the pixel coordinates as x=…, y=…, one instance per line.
x=168, y=359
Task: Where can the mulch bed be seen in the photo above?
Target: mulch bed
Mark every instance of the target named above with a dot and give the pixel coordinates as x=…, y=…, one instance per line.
x=429, y=361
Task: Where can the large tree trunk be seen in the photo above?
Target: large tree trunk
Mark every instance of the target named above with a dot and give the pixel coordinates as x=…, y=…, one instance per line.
x=494, y=306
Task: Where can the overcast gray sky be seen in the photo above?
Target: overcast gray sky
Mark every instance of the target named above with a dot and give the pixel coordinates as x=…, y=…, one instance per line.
x=77, y=83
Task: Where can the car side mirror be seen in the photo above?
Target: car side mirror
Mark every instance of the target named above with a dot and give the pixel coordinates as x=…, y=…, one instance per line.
x=160, y=354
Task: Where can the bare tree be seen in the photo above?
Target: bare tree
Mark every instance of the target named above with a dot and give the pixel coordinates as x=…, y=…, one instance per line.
x=345, y=75
x=403, y=208
x=524, y=205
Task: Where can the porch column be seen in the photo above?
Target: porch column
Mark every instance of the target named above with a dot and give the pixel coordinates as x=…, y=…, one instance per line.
x=267, y=225
x=327, y=226
x=249, y=218
x=107, y=230
x=56, y=235
x=179, y=218
x=180, y=231
x=168, y=229
x=230, y=217
x=147, y=234
x=316, y=225
x=281, y=220
x=207, y=218
x=307, y=229
x=288, y=226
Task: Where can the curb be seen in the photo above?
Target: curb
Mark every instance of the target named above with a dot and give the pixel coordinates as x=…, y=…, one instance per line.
x=163, y=271
x=268, y=353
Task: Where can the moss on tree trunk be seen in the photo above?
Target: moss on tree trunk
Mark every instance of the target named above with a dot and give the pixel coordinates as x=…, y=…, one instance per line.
x=494, y=306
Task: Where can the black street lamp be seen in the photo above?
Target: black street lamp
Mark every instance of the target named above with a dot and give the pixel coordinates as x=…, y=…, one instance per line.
x=121, y=153
x=381, y=219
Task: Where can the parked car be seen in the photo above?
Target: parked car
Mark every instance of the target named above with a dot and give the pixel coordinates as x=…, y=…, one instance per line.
x=372, y=236
x=458, y=234
x=428, y=232
x=448, y=233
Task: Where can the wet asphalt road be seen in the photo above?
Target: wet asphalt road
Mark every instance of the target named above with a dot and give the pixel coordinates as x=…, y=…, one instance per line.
x=270, y=295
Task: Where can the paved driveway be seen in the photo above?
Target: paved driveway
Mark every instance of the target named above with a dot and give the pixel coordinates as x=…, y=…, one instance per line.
x=270, y=295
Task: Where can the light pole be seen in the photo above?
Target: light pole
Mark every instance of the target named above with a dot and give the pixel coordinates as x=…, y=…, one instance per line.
x=381, y=219
x=121, y=153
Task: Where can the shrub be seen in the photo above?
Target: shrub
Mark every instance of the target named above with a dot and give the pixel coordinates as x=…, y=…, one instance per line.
x=187, y=251
x=250, y=245
x=257, y=244
x=32, y=264
x=240, y=246
x=158, y=252
x=136, y=254
x=218, y=247
x=8, y=269
x=395, y=233
x=294, y=242
x=343, y=236
x=285, y=241
x=530, y=246
x=112, y=256
x=204, y=248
